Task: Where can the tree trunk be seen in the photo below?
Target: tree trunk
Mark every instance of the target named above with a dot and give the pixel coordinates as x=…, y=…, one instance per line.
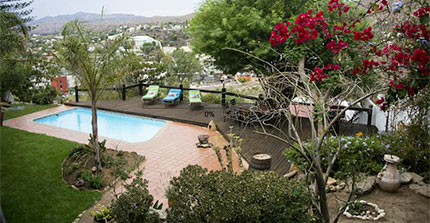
x=97, y=162
x=319, y=177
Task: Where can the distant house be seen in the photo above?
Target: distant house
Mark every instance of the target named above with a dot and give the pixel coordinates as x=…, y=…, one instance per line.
x=60, y=84
x=140, y=40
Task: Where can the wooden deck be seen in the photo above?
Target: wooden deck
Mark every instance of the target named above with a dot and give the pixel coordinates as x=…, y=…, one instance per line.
x=252, y=142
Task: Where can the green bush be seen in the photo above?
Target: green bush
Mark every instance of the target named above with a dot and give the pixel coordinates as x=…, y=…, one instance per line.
x=95, y=180
x=221, y=196
x=357, y=154
x=133, y=205
x=45, y=95
x=242, y=79
x=412, y=145
x=211, y=98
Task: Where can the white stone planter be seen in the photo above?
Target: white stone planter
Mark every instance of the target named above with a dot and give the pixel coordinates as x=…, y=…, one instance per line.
x=367, y=216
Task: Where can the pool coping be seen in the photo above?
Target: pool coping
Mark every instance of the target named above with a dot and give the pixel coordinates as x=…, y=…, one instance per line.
x=166, y=124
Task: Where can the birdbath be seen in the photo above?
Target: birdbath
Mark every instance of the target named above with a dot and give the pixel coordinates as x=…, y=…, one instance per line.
x=389, y=177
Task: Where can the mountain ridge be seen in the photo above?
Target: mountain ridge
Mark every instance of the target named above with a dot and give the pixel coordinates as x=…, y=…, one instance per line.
x=53, y=24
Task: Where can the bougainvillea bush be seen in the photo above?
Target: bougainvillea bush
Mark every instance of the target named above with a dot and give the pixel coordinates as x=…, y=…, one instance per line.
x=340, y=46
x=337, y=53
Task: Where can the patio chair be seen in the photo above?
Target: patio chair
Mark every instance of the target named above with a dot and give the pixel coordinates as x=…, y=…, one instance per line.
x=173, y=97
x=195, y=98
x=151, y=95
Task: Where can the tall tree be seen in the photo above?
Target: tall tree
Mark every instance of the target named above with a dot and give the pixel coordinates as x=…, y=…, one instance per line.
x=241, y=24
x=95, y=68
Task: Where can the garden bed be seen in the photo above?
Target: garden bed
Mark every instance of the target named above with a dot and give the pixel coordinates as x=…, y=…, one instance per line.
x=79, y=172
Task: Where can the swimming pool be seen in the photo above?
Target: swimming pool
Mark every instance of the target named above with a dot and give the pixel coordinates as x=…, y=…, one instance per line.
x=112, y=125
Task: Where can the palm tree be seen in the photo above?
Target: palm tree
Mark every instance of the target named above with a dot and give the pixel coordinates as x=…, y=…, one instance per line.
x=95, y=65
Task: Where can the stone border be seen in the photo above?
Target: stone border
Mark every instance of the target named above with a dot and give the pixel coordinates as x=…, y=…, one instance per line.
x=381, y=212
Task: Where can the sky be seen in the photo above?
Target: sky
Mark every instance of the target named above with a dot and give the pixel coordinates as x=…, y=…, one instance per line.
x=42, y=8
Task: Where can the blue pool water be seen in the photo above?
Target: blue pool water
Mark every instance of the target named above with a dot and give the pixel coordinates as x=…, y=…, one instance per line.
x=112, y=125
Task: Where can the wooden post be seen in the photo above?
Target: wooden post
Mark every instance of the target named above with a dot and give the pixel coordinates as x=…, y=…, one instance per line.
x=223, y=96
x=369, y=116
x=182, y=90
x=76, y=94
x=124, y=93
x=140, y=88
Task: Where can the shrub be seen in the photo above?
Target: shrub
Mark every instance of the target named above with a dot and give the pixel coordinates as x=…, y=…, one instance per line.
x=357, y=154
x=211, y=98
x=95, y=180
x=45, y=95
x=133, y=205
x=221, y=196
x=101, y=214
x=412, y=145
x=242, y=79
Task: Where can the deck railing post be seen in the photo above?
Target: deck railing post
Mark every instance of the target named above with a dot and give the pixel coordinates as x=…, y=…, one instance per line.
x=369, y=116
x=223, y=96
x=124, y=92
x=182, y=90
x=76, y=94
x=140, y=88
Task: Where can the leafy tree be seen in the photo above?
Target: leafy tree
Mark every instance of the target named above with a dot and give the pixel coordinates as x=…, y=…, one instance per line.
x=242, y=25
x=17, y=72
x=182, y=65
x=95, y=69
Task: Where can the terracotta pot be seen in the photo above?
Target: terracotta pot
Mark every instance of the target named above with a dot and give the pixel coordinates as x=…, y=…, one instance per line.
x=389, y=177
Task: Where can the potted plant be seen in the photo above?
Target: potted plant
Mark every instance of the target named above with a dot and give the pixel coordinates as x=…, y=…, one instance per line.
x=102, y=214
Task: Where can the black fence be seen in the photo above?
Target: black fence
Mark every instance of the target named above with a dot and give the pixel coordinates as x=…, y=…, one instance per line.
x=223, y=93
x=140, y=86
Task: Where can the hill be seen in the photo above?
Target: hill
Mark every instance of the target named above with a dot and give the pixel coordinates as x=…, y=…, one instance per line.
x=53, y=24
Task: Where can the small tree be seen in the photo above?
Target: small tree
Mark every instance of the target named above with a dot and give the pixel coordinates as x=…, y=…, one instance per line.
x=95, y=69
x=182, y=65
x=329, y=58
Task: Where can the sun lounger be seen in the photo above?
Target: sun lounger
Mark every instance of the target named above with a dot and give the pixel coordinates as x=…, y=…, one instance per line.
x=172, y=97
x=195, y=98
x=152, y=94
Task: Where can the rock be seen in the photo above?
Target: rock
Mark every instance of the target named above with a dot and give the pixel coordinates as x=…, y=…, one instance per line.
x=405, y=178
x=79, y=183
x=331, y=181
x=414, y=187
x=421, y=183
x=364, y=185
x=291, y=174
x=415, y=177
x=424, y=191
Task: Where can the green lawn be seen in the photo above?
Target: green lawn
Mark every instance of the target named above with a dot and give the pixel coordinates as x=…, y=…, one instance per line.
x=31, y=186
x=27, y=109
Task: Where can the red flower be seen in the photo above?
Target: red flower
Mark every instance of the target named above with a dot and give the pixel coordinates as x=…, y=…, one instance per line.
x=410, y=90
x=380, y=101
x=398, y=86
x=420, y=56
x=366, y=35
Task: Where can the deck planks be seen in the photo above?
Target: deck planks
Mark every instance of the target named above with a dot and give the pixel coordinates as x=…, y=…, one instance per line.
x=252, y=142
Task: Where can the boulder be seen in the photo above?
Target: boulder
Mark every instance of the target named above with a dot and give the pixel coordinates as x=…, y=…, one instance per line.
x=331, y=181
x=414, y=187
x=291, y=174
x=364, y=185
x=415, y=177
x=405, y=178
x=424, y=191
